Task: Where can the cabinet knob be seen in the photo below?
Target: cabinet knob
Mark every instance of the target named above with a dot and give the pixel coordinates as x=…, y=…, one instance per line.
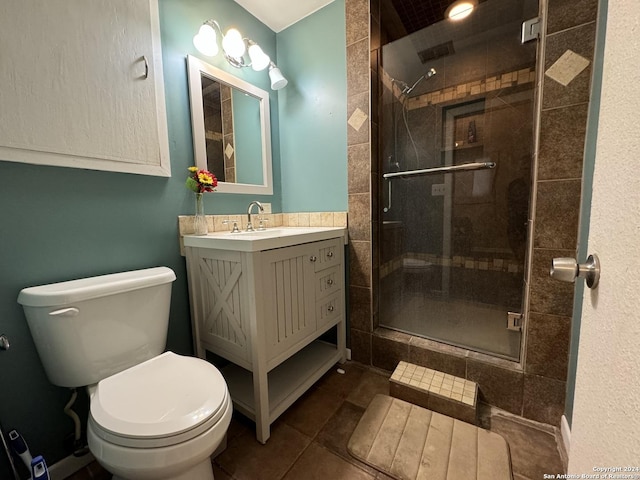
x=330, y=254
x=312, y=258
x=329, y=282
x=330, y=308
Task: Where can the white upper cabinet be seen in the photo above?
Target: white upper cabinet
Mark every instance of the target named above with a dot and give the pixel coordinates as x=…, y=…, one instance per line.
x=81, y=85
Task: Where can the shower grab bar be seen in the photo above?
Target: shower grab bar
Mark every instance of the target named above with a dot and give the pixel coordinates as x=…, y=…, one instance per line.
x=450, y=169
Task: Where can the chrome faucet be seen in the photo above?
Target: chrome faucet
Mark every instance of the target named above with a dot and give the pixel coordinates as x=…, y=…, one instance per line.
x=260, y=210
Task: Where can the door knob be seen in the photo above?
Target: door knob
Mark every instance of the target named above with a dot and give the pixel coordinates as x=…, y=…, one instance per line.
x=568, y=269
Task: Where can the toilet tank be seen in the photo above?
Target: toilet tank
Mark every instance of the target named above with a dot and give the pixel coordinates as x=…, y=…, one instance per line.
x=88, y=329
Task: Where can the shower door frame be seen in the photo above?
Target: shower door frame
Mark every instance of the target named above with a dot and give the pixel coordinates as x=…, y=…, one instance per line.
x=537, y=68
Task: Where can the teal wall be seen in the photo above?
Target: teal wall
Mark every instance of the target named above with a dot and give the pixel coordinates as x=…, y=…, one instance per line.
x=179, y=19
x=585, y=209
x=61, y=223
x=313, y=112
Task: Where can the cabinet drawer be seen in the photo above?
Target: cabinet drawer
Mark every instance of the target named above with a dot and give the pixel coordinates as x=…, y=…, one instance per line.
x=329, y=254
x=329, y=310
x=328, y=281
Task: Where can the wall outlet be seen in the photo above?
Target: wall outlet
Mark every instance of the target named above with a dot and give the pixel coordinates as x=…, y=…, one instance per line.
x=267, y=207
x=438, y=189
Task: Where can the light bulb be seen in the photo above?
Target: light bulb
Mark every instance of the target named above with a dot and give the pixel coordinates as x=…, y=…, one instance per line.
x=259, y=59
x=277, y=79
x=460, y=10
x=205, y=40
x=233, y=44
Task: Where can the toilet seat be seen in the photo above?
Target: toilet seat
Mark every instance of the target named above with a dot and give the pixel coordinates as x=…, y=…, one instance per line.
x=166, y=400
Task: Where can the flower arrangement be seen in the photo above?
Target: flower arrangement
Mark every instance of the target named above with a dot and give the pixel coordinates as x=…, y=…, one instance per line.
x=201, y=181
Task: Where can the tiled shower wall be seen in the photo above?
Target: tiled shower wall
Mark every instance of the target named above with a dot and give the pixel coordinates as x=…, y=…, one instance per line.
x=535, y=389
x=362, y=178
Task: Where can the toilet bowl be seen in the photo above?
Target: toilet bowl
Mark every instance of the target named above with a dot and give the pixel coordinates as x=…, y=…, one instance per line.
x=153, y=415
x=161, y=419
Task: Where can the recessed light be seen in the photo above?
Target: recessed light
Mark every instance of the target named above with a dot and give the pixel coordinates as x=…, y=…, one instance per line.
x=459, y=10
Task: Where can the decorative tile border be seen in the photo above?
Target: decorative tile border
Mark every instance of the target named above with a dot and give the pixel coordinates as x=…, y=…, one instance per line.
x=495, y=82
x=299, y=219
x=417, y=260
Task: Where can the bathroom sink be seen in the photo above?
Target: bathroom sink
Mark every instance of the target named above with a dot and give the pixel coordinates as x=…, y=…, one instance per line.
x=263, y=239
x=270, y=232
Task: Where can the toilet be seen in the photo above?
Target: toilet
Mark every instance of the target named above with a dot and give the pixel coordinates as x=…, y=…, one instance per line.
x=153, y=415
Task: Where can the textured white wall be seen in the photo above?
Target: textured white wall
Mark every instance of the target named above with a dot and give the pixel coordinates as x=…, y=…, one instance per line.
x=606, y=420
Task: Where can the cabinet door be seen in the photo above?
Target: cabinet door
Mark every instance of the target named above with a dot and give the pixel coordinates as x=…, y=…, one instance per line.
x=81, y=85
x=219, y=295
x=289, y=316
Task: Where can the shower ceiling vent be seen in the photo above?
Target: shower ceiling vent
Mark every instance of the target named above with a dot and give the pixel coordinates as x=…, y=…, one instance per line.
x=438, y=51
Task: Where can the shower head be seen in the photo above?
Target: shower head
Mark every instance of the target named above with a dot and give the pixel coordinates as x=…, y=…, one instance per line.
x=408, y=89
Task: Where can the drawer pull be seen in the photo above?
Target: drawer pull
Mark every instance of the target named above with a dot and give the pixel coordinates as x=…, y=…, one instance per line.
x=329, y=282
x=330, y=308
x=330, y=254
x=312, y=258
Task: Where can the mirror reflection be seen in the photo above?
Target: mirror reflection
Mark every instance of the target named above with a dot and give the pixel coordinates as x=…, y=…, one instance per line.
x=231, y=134
x=232, y=130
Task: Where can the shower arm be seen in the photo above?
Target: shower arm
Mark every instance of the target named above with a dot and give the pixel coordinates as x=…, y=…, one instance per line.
x=433, y=171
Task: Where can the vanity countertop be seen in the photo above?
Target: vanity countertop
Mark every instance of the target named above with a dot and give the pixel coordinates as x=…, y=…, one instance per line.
x=268, y=239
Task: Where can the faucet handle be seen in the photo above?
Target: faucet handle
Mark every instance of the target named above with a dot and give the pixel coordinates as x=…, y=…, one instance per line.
x=261, y=224
x=235, y=228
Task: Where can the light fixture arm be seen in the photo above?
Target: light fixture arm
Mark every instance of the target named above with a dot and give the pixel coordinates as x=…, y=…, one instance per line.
x=235, y=62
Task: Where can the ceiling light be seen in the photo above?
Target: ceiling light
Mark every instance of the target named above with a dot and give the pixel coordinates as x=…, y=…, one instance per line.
x=459, y=10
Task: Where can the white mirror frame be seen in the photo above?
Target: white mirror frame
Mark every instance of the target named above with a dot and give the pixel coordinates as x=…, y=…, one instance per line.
x=196, y=68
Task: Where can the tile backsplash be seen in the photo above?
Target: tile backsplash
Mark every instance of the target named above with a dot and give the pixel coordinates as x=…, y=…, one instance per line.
x=218, y=223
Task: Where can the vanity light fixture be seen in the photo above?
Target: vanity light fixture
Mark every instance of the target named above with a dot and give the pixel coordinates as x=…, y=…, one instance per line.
x=234, y=47
x=460, y=9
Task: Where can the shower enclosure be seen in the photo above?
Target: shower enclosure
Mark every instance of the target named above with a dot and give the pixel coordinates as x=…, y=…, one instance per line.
x=456, y=153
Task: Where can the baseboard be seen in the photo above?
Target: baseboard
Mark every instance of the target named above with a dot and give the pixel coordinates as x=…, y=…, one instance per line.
x=565, y=444
x=69, y=465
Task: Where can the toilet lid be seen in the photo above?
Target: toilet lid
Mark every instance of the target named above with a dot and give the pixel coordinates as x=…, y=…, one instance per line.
x=162, y=397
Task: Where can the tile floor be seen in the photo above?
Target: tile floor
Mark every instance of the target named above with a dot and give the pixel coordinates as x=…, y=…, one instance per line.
x=309, y=441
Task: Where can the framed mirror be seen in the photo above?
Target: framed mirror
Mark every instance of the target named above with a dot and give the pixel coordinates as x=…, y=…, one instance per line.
x=231, y=129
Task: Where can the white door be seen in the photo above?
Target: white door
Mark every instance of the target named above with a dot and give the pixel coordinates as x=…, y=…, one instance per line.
x=606, y=417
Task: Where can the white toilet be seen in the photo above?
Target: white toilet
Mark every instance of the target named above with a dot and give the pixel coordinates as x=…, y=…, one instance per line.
x=153, y=415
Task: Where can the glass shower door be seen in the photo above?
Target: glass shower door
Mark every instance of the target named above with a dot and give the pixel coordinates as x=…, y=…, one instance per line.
x=456, y=156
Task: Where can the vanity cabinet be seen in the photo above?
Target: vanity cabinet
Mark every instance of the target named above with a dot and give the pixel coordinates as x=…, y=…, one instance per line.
x=264, y=311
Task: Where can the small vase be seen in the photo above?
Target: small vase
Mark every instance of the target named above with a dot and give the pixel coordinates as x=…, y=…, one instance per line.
x=200, y=220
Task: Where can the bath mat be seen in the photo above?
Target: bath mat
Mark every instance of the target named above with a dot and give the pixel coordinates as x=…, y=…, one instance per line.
x=408, y=442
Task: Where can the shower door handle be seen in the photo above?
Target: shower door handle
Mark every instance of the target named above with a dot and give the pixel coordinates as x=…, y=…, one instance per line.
x=568, y=269
x=388, y=207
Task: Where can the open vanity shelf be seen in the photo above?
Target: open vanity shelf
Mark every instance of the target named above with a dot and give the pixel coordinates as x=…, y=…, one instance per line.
x=286, y=383
x=262, y=301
